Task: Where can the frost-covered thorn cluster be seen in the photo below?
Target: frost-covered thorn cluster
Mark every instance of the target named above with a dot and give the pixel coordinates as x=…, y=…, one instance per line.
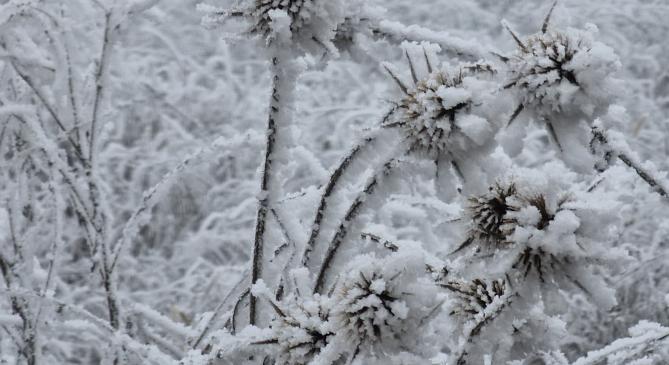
x=475, y=296
x=309, y=25
x=445, y=111
x=487, y=214
x=561, y=71
x=300, y=329
x=380, y=303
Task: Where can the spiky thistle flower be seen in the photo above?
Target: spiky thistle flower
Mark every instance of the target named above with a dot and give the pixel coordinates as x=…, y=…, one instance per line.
x=310, y=25
x=561, y=71
x=382, y=302
x=300, y=329
x=444, y=111
x=534, y=225
x=486, y=215
x=534, y=213
x=475, y=296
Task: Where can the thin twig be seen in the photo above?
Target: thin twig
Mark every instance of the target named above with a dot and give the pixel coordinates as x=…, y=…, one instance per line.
x=264, y=201
x=97, y=98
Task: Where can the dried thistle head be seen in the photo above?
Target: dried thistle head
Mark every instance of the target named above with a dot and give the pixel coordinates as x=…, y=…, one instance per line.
x=261, y=16
x=486, y=214
x=442, y=111
x=541, y=70
x=533, y=213
x=300, y=330
x=368, y=306
x=380, y=303
x=475, y=296
x=560, y=71
x=311, y=25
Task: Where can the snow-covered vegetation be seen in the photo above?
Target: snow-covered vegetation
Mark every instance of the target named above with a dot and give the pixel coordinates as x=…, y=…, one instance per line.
x=334, y=182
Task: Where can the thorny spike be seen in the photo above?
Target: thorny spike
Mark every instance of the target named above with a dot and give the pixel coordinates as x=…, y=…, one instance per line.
x=515, y=114
x=515, y=36
x=501, y=58
x=411, y=67
x=457, y=170
x=544, y=27
x=397, y=80
x=427, y=61
x=551, y=131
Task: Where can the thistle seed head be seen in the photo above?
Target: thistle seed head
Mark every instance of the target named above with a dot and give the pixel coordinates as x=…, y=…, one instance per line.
x=486, y=214
x=308, y=25
x=563, y=71
x=444, y=111
x=475, y=296
x=300, y=330
x=379, y=303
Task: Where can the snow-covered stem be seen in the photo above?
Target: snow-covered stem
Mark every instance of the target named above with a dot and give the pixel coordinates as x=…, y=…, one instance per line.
x=399, y=33
x=40, y=96
x=476, y=325
x=349, y=217
x=645, y=336
x=275, y=106
x=329, y=189
x=99, y=86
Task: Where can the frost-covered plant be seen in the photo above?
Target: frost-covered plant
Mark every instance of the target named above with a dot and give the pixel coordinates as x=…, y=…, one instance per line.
x=300, y=330
x=535, y=226
x=484, y=273
x=563, y=72
x=309, y=25
x=381, y=304
x=563, y=79
x=487, y=214
x=475, y=296
x=446, y=112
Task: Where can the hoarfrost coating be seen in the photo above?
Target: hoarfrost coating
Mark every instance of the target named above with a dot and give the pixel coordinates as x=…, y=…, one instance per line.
x=334, y=182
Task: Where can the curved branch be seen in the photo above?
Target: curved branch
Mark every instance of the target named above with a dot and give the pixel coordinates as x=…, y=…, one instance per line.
x=351, y=214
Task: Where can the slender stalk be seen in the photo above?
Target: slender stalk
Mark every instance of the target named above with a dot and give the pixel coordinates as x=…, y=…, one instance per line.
x=351, y=214
x=327, y=192
x=459, y=356
x=28, y=80
x=264, y=202
x=97, y=98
